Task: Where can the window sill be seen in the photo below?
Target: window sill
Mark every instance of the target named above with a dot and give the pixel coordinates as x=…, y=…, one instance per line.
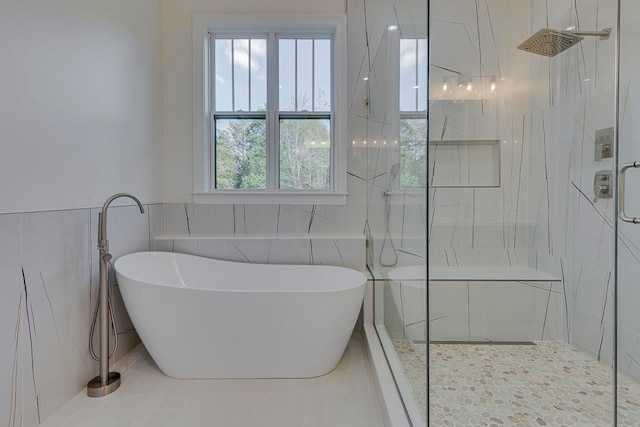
x=269, y=198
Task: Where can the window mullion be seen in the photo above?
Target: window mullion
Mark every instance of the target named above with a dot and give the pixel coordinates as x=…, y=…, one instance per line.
x=416, y=85
x=210, y=149
x=272, y=116
x=295, y=75
x=249, y=73
x=233, y=75
x=313, y=75
x=212, y=68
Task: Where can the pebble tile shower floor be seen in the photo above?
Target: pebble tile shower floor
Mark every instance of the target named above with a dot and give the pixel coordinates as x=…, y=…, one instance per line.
x=550, y=383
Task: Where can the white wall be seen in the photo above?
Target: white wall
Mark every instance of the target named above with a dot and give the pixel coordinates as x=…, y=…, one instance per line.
x=80, y=102
x=177, y=77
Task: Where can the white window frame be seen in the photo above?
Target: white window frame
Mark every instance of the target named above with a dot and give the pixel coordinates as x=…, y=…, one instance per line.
x=203, y=24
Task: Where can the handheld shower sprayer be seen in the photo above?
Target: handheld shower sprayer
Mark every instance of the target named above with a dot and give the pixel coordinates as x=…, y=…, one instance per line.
x=393, y=175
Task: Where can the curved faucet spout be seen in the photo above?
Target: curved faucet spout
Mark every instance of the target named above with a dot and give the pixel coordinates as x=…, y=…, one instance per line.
x=102, y=230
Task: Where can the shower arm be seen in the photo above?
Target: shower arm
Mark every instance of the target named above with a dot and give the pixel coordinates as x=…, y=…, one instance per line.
x=604, y=34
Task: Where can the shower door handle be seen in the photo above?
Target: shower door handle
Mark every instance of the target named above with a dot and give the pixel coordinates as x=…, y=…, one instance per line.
x=621, y=173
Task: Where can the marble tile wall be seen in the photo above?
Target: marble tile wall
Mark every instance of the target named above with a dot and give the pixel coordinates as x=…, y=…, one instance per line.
x=546, y=112
x=469, y=42
x=243, y=220
x=571, y=96
x=48, y=289
x=476, y=225
x=284, y=234
x=475, y=42
x=395, y=219
x=474, y=311
x=338, y=250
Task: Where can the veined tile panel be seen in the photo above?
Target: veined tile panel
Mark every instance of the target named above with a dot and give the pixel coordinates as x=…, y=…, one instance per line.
x=187, y=218
x=12, y=309
x=49, y=281
x=571, y=96
x=473, y=311
x=340, y=250
x=56, y=267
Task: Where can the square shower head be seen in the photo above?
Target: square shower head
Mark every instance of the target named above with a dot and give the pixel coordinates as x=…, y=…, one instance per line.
x=550, y=42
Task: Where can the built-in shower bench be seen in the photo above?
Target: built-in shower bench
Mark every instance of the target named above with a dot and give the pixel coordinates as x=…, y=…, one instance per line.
x=472, y=274
x=474, y=303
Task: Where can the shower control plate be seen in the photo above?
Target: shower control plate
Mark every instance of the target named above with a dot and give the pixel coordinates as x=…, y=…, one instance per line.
x=603, y=185
x=604, y=144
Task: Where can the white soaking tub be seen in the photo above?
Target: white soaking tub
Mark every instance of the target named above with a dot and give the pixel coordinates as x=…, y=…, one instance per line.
x=206, y=318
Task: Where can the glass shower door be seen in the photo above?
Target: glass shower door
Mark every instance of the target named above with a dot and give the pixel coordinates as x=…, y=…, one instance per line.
x=628, y=242
x=394, y=146
x=521, y=248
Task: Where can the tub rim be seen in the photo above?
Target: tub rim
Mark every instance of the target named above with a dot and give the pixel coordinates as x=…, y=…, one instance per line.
x=173, y=255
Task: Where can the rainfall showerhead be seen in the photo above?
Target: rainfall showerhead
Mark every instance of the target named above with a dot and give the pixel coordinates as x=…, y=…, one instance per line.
x=550, y=42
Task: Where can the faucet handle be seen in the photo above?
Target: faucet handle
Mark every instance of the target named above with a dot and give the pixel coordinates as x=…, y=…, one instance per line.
x=103, y=245
x=602, y=185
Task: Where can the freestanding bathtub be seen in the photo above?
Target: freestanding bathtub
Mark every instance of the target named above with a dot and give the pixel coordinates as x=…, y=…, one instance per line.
x=206, y=318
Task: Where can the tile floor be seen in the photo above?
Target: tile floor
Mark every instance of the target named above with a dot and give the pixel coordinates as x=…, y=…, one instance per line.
x=345, y=397
x=412, y=357
x=550, y=384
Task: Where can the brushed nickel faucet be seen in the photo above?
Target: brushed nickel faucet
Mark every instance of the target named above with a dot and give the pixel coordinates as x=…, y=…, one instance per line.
x=107, y=382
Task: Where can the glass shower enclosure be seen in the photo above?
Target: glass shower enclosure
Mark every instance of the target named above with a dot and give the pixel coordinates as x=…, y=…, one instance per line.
x=527, y=225
x=394, y=147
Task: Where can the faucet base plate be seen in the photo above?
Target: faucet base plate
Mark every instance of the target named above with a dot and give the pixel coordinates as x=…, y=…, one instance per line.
x=95, y=388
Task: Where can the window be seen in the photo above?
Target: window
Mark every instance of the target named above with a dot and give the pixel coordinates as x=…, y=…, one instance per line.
x=270, y=90
x=413, y=119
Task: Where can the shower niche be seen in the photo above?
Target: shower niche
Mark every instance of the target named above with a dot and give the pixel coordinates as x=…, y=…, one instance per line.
x=465, y=163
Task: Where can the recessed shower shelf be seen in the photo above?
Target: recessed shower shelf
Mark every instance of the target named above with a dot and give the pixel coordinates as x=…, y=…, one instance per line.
x=472, y=274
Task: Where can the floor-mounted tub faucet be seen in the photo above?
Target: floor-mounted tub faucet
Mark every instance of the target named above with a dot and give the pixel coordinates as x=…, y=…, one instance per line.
x=107, y=382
